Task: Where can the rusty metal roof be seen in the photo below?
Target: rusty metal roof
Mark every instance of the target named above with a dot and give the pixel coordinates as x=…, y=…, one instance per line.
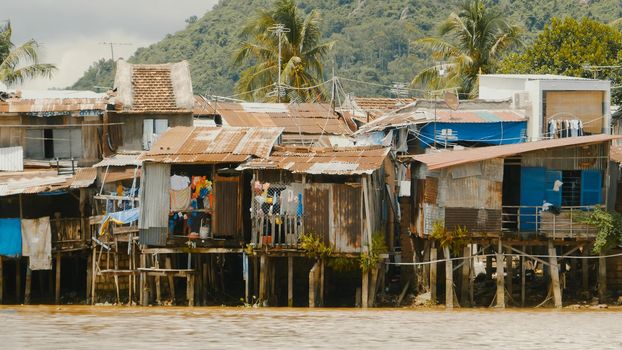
x=303, y=118
x=117, y=160
x=212, y=145
x=53, y=105
x=425, y=115
x=37, y=181
x=327, y=161
x=443, y=159
x=615, y=153
x=363, y=108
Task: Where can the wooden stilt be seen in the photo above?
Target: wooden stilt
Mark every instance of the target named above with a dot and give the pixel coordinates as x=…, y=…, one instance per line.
x=522, y=279
x=143, y=282
x=18, y=280
x=116, y=268
x=89, y=278
x=500, y=283
x=465, y=289
x=255, y=277
x=28, y=285
x=602, y=279
x=585, y=269
x=190, y=289
x=94, y=262
x=554, y=269
x=158, y=284
x=171, y=280
x=57, y=285
x=263, y=280
x=290, y=281
x=426, y=267
x=509, y=268
x=489, y=267
x=373, y=284
x=449, y=279
x=314, y=289
x=433, y=266
x=205, y=280
x=365, y=290
x=322, y=273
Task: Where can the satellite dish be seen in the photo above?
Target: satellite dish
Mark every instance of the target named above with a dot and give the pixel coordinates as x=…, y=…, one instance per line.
x=451, y=100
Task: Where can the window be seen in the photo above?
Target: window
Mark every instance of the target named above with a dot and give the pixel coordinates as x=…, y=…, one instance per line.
x=152, y=128
x=53, y=143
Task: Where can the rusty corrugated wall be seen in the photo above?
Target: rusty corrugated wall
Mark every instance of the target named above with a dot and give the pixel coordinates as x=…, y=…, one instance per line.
x=347, y=219
x=228, y=207
x=154, y=204
x=474, y=220
x=316, y=206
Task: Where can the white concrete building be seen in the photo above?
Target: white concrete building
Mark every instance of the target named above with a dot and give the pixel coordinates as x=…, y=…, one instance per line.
x=552, y=97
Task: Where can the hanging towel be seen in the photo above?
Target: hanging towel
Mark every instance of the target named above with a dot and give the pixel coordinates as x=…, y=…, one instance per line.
x=180, y=200
x=179, y=182
x=10, y=237
x=37, y=243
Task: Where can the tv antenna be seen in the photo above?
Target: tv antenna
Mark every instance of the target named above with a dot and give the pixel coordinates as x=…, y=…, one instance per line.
x=278, y=30
x=112, y=45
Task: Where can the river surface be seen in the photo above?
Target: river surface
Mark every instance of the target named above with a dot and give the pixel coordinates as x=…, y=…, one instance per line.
x=103, y=327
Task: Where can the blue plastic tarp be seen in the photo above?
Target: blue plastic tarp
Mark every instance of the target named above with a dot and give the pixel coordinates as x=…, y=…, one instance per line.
x=493, y=133
x=10, y=237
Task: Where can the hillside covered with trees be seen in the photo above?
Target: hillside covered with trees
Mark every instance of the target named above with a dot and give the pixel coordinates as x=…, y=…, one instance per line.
x=374, y=40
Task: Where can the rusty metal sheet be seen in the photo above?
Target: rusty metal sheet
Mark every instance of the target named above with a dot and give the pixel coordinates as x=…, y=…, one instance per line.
x=42, y=105
x=443, y=159
x=119, y=160
x=84, y=177
x=316, y=210
x=430, y=192
x=345, y=236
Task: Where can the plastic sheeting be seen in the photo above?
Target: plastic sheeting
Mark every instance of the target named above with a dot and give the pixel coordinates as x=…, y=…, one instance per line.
x=10, y=237
x=497, y=133
x=37, y=243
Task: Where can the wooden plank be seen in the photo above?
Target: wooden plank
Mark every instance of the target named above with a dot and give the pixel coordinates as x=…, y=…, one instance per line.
x=143, y=280
x=290, y=281
x=190, y=289
x=465, y=286
x=28, y=285
x=510, y=272
x=500, y=278
x=57, y=285
x=522, y=279
x=198, y=250
x=433, y=267
x=365, y=289
x=263, y=276
x=94, y=274
x=449, y=279
x=171, y=281
x=602, y=279
x=557, y=293
x=18, y=279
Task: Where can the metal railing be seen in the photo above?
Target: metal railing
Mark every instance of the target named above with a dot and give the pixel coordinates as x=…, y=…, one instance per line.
x=567, y=223
x=276, y=230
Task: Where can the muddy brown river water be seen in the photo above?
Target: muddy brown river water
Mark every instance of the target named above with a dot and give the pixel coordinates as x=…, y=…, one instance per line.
x=83, y=327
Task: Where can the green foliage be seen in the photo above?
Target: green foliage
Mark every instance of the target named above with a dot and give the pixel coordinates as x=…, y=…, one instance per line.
x=374, y=39
x=455, y=240
x=19, y=63
x=302, y=54
x=343, y=264
x=101, y=72
x=566, y=46
x=371, y=257
x=314, y=246
x=609, y=226
x=470, y=43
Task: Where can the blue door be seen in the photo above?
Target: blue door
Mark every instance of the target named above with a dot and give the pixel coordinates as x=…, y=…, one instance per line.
x=532, y=193
x=591, y=187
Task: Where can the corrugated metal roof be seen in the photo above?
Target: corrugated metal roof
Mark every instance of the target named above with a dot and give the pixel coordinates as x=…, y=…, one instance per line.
x=303, y=118
x=425, y=115
x=84, y=177
x=327, y=161
x=12, y=159
x=37, y=181
x=443, y=159
x=119, y=160
x=57, y=105
x=212, y=145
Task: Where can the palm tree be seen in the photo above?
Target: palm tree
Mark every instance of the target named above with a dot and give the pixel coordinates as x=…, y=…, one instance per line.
x=302, y=54
x=470, y=43
x=20, y=63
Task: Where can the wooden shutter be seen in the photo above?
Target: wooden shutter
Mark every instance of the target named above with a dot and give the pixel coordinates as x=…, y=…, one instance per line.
x=227, y=217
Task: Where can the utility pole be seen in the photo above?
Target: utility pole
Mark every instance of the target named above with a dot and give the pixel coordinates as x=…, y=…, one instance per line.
x=278, y=30
x=112, y=47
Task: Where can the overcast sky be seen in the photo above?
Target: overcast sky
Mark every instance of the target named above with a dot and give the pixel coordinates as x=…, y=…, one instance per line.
x=70, y=31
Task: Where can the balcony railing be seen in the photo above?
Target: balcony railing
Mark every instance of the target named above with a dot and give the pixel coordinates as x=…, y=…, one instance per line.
x=567, y=223
x=276, y=230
